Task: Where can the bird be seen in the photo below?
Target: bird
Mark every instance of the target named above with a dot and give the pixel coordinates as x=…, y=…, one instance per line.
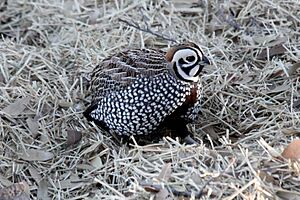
x=138, y=92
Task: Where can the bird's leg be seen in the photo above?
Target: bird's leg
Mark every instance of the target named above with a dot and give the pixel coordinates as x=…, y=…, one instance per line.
x=185, y=134
x=178, y=128
x=189, y=140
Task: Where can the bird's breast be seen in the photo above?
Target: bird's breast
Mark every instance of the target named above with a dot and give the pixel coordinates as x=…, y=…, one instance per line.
x=191, y=99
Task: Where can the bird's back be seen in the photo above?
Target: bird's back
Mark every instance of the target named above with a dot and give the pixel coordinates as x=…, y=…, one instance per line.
x=122, y=69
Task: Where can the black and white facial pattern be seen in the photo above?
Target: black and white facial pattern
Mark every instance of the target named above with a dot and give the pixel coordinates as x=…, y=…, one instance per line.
x=187, y=63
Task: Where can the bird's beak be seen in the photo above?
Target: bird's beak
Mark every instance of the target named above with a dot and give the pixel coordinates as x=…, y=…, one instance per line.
x=205, y=60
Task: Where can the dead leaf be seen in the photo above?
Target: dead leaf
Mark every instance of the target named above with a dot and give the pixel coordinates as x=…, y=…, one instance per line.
x=4, y=181
x=42, y=192
x=65, y=104
x=2, y=79
x=91, y=148
x=278, y=89
x=36, y=155
x=165, y=173
x=185, y=2
x=34, y=174
x=264, y=39
x=272, y=51
x=85, y=167
x=276, y=74
x=163, y=194
x=72, y=182
x=17, y=191
x=267, y=177
x=97, y=162
x=270, y=149
x=211, y=132
x=292, y=151
x=245, y=79
x=151, y=188
x=22, y=196
x=296, y=104
x=278, y=41
x=17, y=107
x=291, y=131
x=94, y=16
x=288, y=195
x=73, y=137
x=293, y=69
x=196, y=178
x=33, y=125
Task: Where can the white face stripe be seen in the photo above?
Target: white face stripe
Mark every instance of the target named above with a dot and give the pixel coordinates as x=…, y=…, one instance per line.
x=199, y=52
x=183, y=53
x=187, y=77
x=194, y=70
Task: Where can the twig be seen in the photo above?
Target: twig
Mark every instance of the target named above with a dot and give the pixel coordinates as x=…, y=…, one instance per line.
x=147, y=30
x=154, y=188
x=229, y=20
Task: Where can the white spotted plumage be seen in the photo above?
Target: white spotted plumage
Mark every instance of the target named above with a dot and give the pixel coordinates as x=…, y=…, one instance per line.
x=134, y=92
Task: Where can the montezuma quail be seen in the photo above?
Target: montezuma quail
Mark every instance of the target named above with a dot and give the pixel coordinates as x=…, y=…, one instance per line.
x=137, y=92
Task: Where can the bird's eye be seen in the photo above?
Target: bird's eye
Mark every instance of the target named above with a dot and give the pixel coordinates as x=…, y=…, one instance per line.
x=190, y=58
x=181, y=61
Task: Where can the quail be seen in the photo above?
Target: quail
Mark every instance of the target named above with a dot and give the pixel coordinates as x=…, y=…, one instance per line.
x=141, y=91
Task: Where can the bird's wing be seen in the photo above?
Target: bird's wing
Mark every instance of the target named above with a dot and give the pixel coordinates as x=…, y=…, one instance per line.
x=120, y=70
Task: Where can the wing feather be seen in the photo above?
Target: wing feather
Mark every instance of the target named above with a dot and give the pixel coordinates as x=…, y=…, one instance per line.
x=120, y=70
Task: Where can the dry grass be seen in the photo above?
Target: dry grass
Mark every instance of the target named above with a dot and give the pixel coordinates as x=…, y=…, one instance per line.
x=251, y=99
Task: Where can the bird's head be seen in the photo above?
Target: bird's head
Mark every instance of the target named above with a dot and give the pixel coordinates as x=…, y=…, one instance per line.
x=186, y=61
